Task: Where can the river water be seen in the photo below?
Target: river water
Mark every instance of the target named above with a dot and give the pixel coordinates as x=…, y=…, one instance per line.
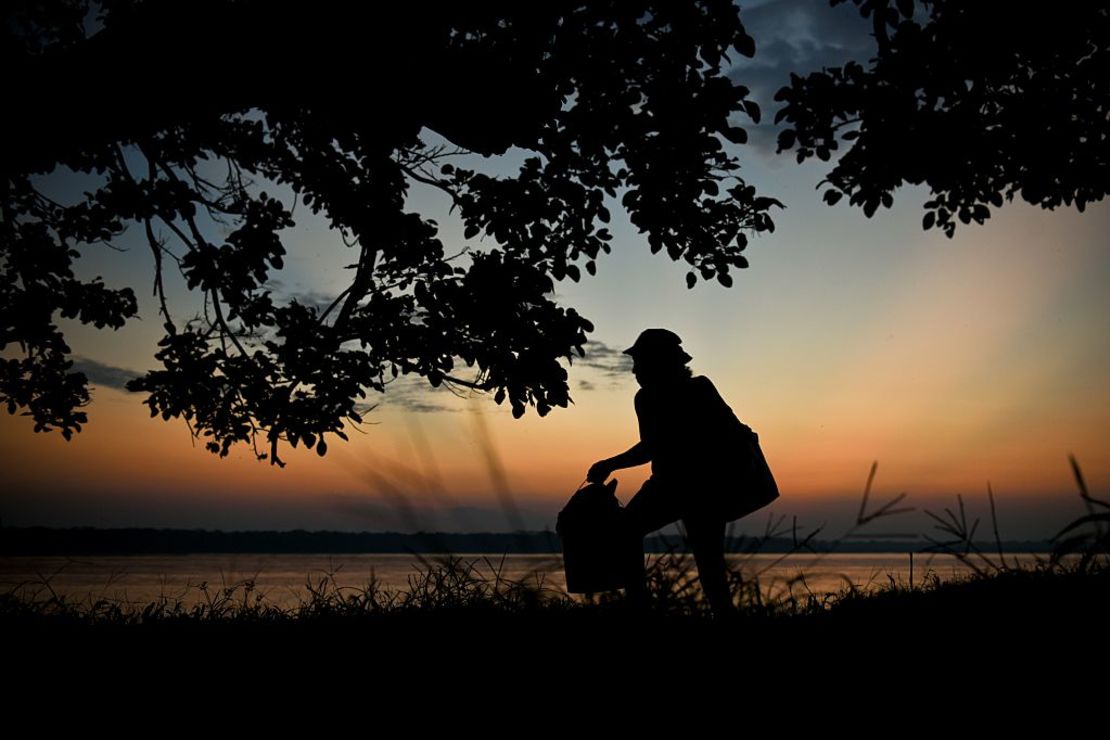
x=285, y=580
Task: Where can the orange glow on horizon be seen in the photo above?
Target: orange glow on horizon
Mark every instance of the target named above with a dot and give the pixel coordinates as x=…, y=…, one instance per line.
x=124, y=451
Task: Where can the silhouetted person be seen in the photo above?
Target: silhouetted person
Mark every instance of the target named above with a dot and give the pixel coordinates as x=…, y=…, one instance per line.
x=688, y=434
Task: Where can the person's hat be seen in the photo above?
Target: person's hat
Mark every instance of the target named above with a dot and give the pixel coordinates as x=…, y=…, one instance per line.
x=658, y=344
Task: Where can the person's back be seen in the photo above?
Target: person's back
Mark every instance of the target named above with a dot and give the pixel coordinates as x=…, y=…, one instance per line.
x=691, y=434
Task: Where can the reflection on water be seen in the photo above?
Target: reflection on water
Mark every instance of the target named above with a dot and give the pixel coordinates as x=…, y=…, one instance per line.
x=282, y=579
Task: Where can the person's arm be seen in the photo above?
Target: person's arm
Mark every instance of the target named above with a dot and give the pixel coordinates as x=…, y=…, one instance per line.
x=638, y=454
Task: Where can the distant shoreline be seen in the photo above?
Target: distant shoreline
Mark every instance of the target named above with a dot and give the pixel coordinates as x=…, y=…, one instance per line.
x=18, y=541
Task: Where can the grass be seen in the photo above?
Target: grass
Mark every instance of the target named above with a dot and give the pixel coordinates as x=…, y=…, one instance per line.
x=458, y=629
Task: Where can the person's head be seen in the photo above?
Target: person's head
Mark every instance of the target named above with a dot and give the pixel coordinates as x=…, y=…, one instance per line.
x=658, y=358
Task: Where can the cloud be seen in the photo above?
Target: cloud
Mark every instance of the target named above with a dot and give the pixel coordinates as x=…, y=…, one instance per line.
x=407, y=392
x=414, y=393
x=604, y=359
x=312, y=298
x=602, y=367
x=799, y=36
x=107, y=376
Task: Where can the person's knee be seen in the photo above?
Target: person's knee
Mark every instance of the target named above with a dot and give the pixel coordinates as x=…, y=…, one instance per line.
x=705, y=536
x=635, y=524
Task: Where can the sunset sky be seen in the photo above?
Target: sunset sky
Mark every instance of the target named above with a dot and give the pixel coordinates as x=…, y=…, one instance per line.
x=952, y=362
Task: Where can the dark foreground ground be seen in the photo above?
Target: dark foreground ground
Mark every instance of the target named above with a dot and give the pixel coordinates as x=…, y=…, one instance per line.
x=1012, y=632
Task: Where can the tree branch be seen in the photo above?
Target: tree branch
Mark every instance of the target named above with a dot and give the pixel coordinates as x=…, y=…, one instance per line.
x=415, y=174
x=359, y=286
x=159, y=289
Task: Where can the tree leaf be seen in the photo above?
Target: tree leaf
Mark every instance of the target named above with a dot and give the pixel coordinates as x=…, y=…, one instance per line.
x=736, y=135
x=752, y=109
x=744, y=44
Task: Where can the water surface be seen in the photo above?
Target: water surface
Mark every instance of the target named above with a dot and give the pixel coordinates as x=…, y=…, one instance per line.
x=285, y=580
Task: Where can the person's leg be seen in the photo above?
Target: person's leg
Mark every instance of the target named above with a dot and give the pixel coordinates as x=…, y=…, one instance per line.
x=707, y=540
x=650, y=509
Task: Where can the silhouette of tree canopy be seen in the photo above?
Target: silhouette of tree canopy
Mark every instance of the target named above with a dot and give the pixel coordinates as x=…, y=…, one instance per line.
x=192, y=115
x=980, y=101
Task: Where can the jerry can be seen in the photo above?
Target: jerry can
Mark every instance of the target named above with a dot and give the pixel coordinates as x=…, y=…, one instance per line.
x=597, y=553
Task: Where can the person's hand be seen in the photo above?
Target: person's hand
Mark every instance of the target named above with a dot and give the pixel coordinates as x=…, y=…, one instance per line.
x=599, y=471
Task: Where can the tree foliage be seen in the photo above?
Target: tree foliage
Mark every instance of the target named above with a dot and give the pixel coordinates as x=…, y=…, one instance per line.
x=205, y=123
x=193, y=116
x=980, y=101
